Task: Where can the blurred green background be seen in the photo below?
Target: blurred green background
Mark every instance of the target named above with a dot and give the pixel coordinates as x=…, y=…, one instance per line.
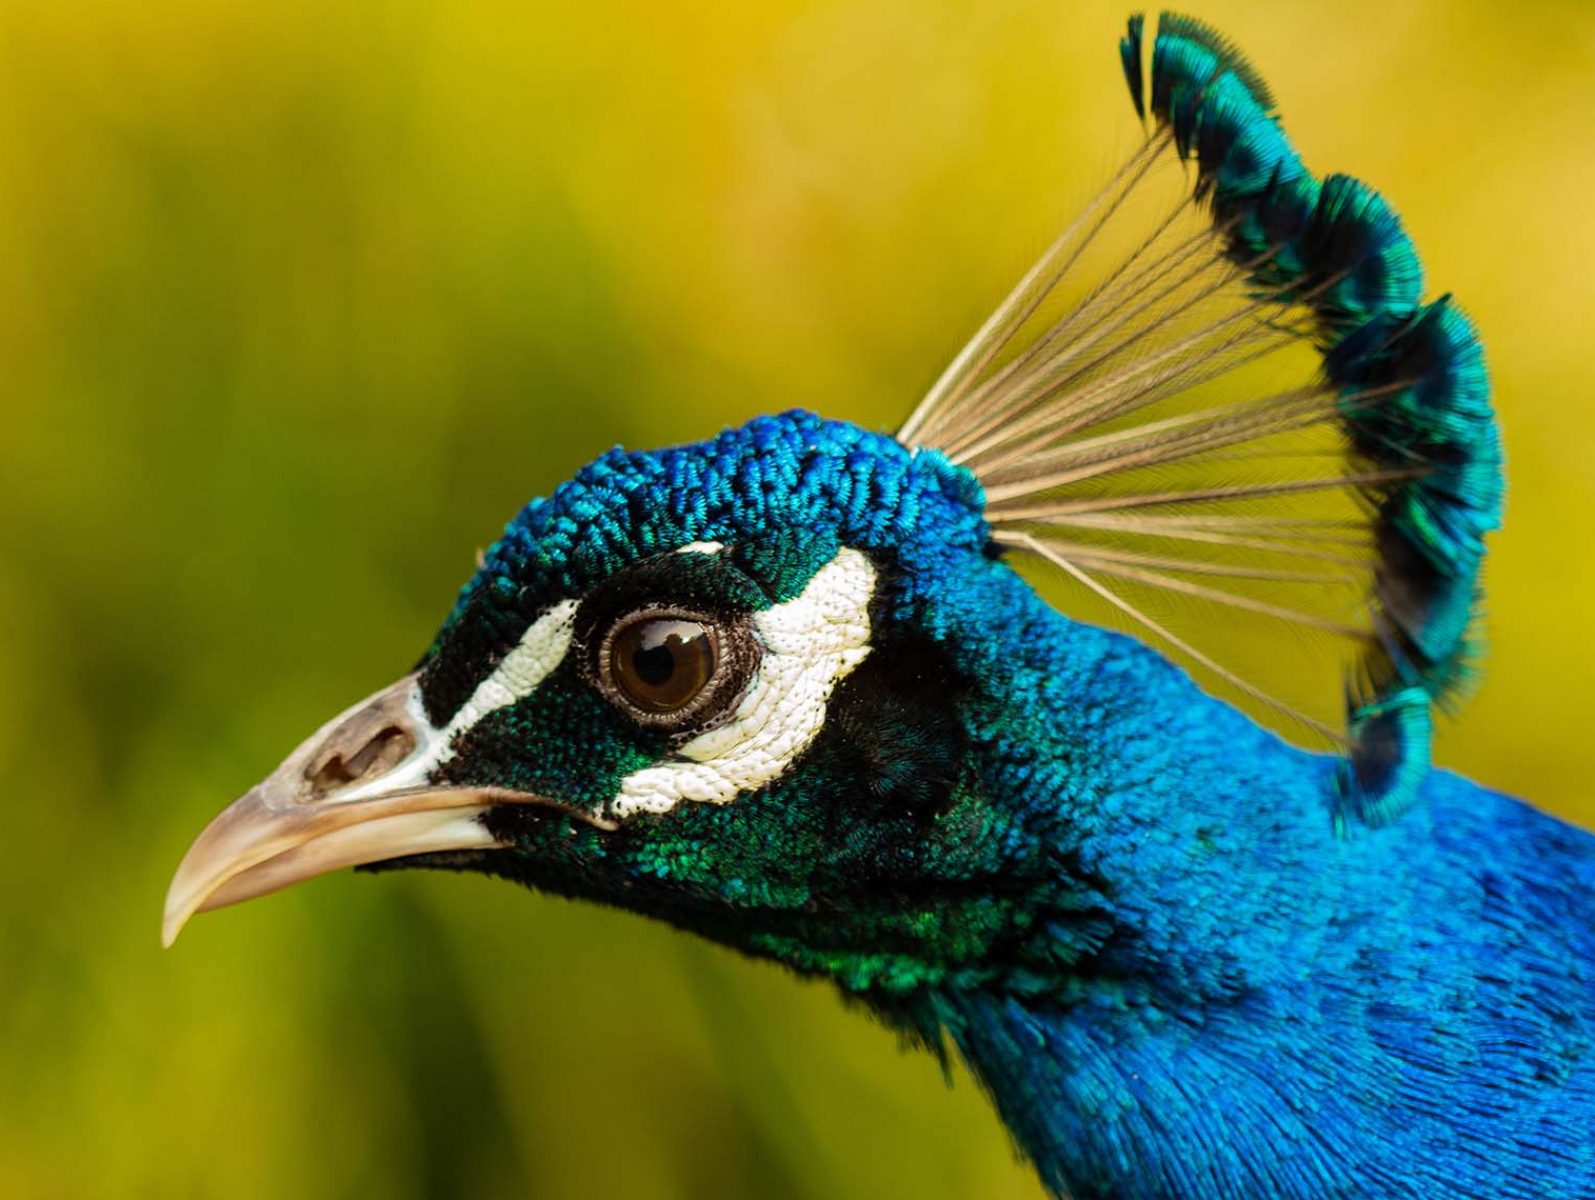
x=299, y=302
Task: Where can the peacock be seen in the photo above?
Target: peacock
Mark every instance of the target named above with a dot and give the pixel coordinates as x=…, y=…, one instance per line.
x=789, y=689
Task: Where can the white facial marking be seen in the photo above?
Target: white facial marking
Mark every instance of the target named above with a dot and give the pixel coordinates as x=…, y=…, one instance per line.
x=701, y=548
x=811, y=644
x=542, y=648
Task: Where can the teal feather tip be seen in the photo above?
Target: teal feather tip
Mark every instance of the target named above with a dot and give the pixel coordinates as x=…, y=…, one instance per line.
x=1130, y=57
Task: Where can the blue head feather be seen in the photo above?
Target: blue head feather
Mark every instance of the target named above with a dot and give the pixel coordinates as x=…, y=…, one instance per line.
x=788, y=473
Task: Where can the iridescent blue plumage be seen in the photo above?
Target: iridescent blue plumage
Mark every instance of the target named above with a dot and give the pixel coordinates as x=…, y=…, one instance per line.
x=1401, y=1012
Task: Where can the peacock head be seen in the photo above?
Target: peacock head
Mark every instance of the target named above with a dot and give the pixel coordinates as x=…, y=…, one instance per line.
x=731, y=685
x=780, y=688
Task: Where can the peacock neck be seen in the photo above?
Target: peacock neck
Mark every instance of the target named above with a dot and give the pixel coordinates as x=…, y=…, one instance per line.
x=1205, y=841
x=1225, y=906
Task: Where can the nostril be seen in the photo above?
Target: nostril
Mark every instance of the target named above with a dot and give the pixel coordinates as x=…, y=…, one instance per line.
x=376, y=755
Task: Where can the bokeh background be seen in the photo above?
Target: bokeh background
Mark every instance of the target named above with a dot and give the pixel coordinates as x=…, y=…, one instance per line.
x=300, y=301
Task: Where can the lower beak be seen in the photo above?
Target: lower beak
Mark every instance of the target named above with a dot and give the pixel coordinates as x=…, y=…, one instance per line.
x=354, y=793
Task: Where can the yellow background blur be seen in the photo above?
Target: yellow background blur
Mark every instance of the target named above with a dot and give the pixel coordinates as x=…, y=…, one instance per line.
x=299, y=302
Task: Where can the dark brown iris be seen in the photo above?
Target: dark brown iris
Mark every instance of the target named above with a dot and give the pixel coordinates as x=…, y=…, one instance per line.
x=662, y=664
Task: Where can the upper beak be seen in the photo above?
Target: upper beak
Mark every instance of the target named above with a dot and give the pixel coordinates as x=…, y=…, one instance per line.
x=354, y=793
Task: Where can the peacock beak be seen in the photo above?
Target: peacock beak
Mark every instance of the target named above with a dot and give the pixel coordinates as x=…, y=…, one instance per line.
x=356, y=792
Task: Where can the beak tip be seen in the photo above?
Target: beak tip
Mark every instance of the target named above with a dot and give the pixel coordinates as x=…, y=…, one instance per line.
x=173, y=918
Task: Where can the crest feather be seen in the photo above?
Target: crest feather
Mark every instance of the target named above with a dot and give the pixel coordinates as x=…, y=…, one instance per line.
x=1134, y=431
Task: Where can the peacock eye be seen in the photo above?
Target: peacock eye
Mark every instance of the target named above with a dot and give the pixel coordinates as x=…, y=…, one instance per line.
x=662, y=664
x=674, y=670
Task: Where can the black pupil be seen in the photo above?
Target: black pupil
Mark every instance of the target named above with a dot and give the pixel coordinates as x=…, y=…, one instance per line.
x=662, y=664
x=655, y=664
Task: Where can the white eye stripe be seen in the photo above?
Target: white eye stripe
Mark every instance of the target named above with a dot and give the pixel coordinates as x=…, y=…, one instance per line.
x=811, y=643
x=541, y=649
